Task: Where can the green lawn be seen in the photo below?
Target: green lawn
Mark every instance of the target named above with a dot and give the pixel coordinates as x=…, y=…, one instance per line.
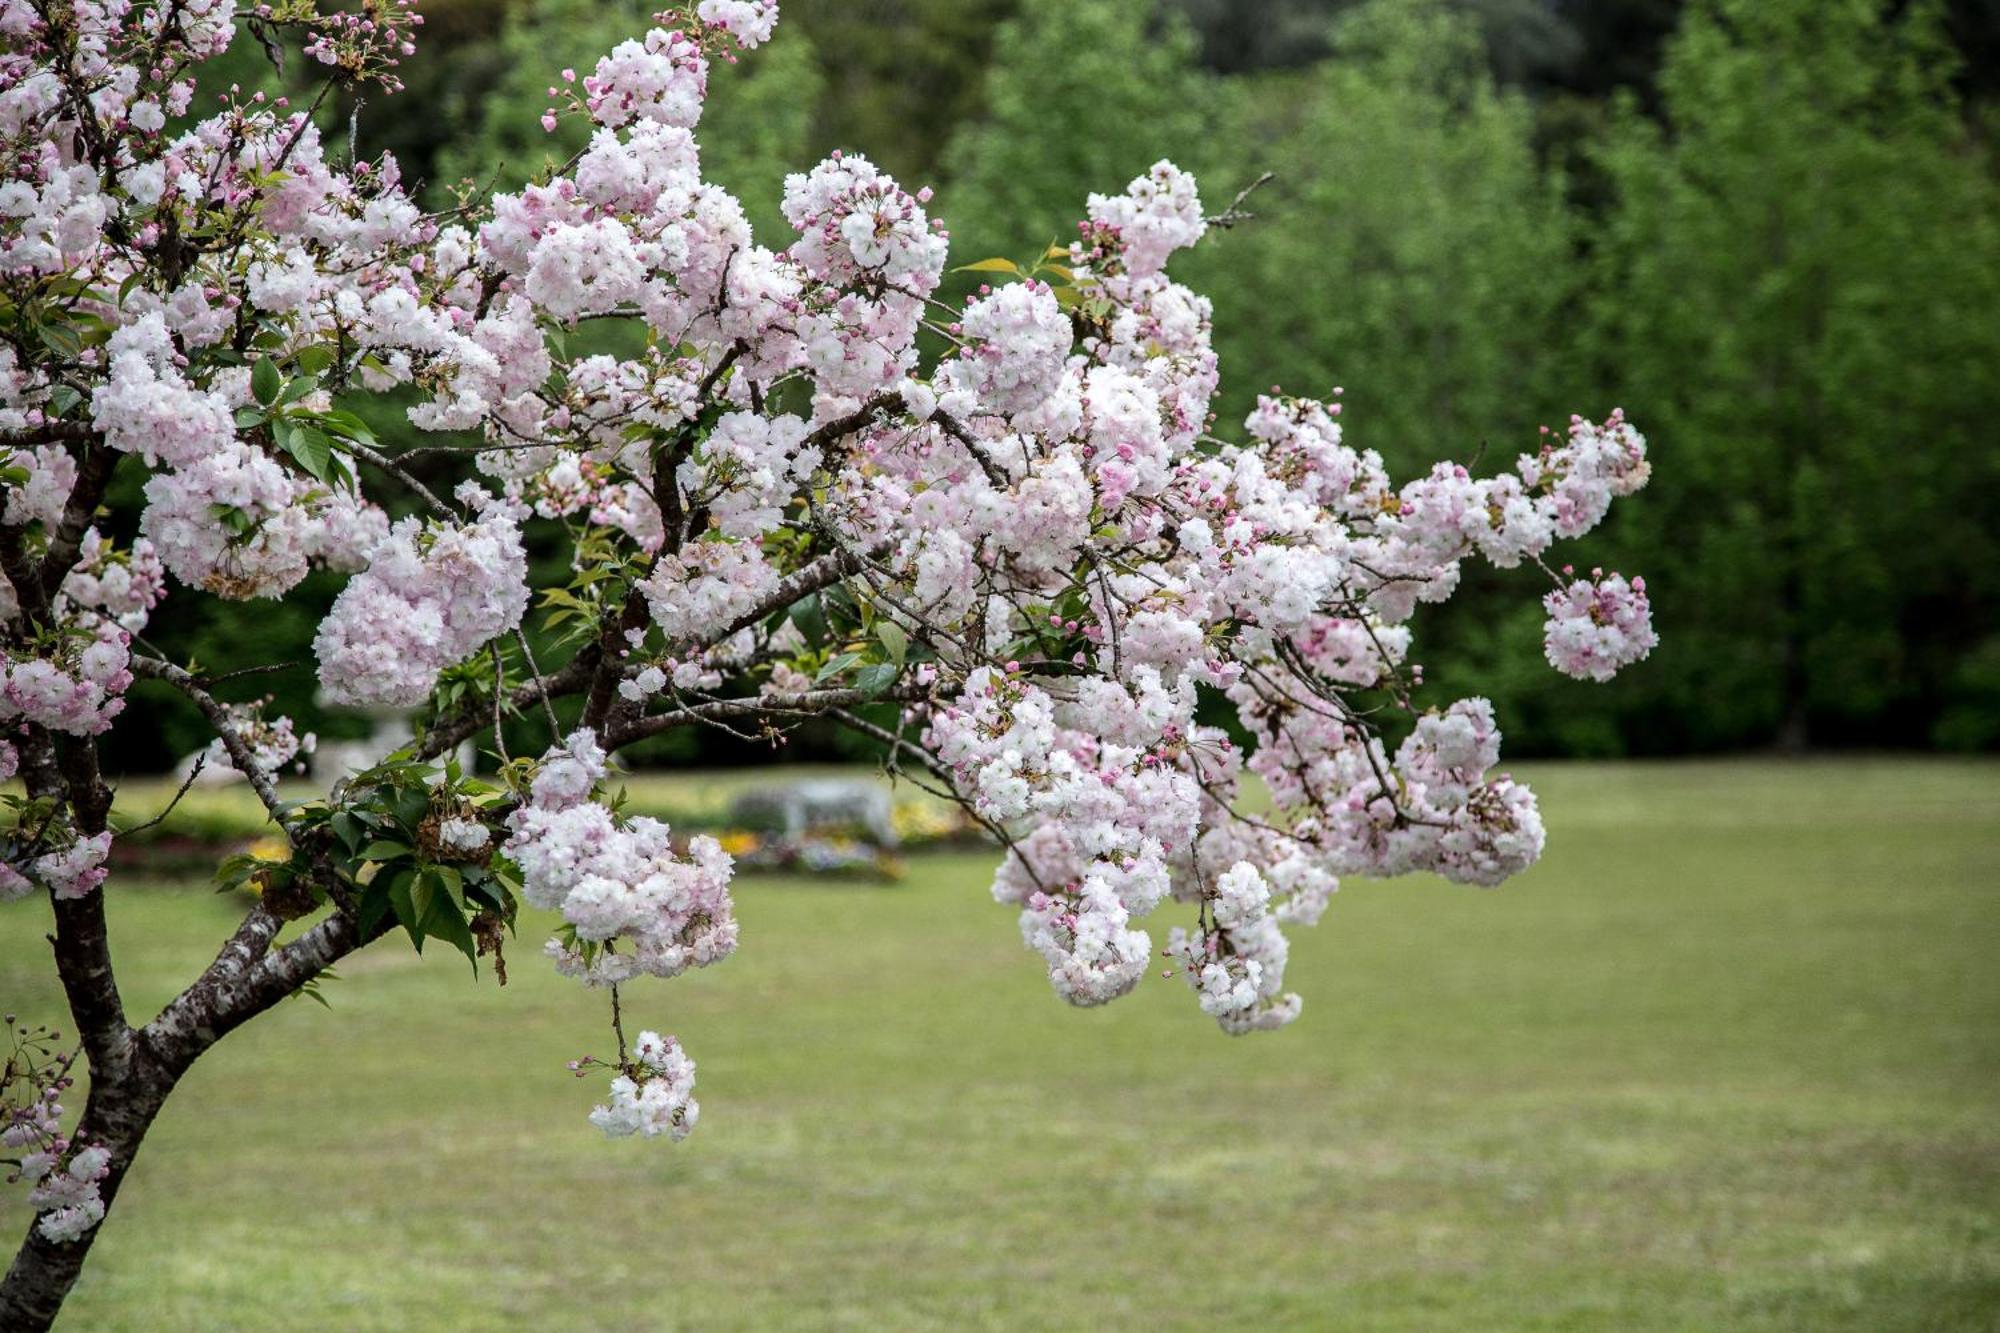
x=1729, y=1058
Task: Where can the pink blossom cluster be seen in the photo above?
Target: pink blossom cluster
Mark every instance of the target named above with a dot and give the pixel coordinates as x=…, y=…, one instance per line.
x=122, y=585
x=77, y=687
x=706, y=587
x=146, y=406
x=1158, y=214
x=430, y=595
x=662, y=78
x=64, y=1175
x=66, y=1194
x=264, y=547
x=873, y=256
x=74, y=871
x=1019, y=339
x=273, y=742
x=1236, y=964
x=1598, y=625
x=750, y=22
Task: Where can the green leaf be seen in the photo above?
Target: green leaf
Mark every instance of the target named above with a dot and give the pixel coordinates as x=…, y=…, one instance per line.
x=62, y=339
x=837, y=665
x=265, y=381
x=231, y=518
x=314, y=360
x=383, y=849
x=990, y=266
x=810, y=617
x=403, y=902
x=412, y=805
x=348, y=829
x=347, y=426
x=444, y=922
x=374, y=903
x=894, y=641
x=453, y=884
x=423, y=892
x=235, y=870
x=876, y=677
x=310, y=447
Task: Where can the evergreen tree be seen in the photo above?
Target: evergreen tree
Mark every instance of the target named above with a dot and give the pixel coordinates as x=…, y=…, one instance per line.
x=1799, y=294
x=1406, y=243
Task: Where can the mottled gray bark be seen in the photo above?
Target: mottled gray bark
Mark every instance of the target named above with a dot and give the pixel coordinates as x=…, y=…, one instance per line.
x=139, y=1069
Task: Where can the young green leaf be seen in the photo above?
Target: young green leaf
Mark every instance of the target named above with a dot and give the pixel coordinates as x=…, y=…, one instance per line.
x=265, y=381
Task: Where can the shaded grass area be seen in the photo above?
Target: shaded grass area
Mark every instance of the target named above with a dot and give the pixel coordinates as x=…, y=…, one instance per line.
x=1727, y=1058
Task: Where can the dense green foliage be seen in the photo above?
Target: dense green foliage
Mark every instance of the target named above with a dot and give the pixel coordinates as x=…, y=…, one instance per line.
x=1769, y=229
x=1723, y=1061
x=1797, y=281
x=1081, y=97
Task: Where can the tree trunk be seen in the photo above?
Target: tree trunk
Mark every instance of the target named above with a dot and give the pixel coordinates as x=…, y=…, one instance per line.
x=138, y=1073
x=117, y=1115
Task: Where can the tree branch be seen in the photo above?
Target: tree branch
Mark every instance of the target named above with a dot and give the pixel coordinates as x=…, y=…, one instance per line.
x=565, y=680
x=807, y=579
x=218, y=717
x=247, y=978
x=806, y=703
x=82, y=941
x=92, y=481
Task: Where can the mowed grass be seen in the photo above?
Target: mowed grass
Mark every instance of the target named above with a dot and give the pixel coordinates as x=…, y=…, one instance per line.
x=1729, y=1058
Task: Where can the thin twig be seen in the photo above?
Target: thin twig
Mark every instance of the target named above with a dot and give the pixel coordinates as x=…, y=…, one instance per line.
x=1236, y=213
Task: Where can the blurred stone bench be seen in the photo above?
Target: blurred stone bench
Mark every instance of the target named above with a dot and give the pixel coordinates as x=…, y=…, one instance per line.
x=812, y=804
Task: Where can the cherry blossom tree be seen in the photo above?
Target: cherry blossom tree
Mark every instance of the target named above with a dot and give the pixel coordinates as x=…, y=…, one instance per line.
x=1003, y=538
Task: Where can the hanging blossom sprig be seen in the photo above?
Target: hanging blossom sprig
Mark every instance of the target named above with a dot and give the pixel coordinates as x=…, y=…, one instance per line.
x=62, y=1173
x=1032, y=567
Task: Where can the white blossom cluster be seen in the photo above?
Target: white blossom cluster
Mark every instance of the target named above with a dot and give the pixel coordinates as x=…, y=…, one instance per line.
x=618, y=883
x=656, y=1097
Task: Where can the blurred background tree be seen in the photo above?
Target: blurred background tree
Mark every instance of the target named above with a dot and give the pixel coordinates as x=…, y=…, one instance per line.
x=1768, y=228
x=1080, y=94
x=1795, y=286
x=759, y=123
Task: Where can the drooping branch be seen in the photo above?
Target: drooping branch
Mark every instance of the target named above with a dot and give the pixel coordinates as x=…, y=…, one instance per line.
x=218, y=717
